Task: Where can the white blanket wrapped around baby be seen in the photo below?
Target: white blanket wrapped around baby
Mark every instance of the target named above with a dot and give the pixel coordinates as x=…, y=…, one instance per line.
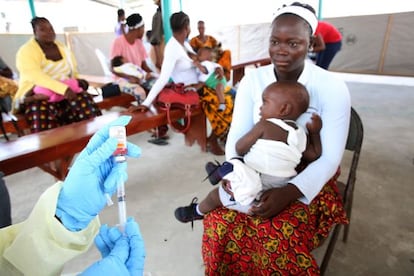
x=269, y=158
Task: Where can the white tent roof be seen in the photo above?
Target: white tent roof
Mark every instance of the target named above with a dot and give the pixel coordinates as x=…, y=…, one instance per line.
x=100, y=15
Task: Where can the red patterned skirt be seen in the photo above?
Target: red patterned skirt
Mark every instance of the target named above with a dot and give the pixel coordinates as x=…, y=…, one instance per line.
x=239, y=244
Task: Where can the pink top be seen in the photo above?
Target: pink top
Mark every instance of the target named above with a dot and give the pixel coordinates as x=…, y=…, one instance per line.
x=134, y=53
x=55, y=97
x=329, y=32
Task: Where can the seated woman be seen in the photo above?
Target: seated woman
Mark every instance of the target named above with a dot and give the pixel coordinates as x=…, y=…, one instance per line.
x=44, y=62
x=131, y=70
x=178, y=65
x=289, y=221
x=131, y=48
x=222, y=57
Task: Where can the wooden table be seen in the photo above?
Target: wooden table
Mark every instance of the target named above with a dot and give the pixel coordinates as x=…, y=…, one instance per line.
x=62, y=143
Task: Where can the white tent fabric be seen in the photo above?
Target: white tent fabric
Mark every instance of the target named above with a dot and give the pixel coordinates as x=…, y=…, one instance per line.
x=372, y=44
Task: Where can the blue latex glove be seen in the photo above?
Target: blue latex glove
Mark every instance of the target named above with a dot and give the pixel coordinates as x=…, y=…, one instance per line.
x=114, y=263
x=109, y=242
x=93, y=174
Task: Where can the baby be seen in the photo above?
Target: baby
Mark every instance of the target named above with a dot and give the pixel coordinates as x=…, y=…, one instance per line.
x=55, y=97
x=120, y=66
x=208, y=75
x=271, y=152
x=131, y=70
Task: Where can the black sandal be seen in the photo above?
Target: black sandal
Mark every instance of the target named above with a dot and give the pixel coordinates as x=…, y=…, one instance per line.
x=158, y=141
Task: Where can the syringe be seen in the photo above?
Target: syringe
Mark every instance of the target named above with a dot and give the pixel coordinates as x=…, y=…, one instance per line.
x=119, y=132
x=120, y=191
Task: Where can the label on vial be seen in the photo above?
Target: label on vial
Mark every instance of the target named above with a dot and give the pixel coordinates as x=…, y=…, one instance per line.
x=119, y=132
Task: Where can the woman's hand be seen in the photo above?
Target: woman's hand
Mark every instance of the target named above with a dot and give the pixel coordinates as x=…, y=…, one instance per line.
x=69, y=94
x=273, y=201
x=84, y=84
x=194, y=86
x=139, y=108
x=35, y=97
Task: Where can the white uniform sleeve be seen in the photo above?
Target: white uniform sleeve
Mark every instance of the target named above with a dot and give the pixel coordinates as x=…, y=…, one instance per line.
x=41, y=245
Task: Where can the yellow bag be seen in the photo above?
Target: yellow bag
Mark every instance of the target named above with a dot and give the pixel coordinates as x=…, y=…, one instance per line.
x=8, y=87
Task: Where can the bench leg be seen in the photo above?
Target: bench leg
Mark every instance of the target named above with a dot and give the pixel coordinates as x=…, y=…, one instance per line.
x=197, y=131
x=58, y=168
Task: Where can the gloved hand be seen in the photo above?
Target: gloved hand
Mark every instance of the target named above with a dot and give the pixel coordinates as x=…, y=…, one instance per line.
x=110, y=243
x=114, y=263
x=93, y=174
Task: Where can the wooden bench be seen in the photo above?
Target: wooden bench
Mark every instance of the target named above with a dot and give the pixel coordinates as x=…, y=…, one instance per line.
x=62, y=143
x=240, y=68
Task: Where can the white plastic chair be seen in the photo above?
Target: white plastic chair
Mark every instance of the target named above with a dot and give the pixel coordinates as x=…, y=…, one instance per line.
x=103, y=60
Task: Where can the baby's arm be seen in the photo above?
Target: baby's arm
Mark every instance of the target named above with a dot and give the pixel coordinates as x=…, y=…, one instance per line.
x=314, y=146
x=219, y=72
x=244, y=144
x=200, y=67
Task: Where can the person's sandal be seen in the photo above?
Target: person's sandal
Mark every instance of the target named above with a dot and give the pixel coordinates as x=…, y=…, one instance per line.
x=158, y=141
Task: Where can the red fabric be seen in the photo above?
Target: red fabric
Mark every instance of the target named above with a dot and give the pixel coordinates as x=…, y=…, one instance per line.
x=239, y=244
x=329, y=32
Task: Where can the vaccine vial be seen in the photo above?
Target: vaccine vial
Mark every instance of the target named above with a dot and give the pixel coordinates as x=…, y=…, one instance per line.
x=119, y=132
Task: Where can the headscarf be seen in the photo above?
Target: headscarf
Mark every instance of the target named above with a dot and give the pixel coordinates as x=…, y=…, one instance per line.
x=303, y=13
x=134, y=21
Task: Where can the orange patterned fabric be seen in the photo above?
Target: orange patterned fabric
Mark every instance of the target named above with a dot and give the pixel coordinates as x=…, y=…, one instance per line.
x=219, y=120
x=225, y=61
x=8, y=87
x=197, y=43
x=239, y=244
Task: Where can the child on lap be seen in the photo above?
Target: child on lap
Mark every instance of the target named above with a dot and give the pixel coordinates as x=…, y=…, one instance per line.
x=271, y=152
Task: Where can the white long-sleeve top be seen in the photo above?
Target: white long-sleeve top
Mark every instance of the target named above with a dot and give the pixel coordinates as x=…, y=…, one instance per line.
x=329, y=97
x=176, y=65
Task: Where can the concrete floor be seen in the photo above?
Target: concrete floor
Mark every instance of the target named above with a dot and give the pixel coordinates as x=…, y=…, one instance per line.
x=381, y=240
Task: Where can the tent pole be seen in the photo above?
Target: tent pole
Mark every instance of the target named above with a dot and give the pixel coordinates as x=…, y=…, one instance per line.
x=32, y=8
x=166, y=13
x=320, y=10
